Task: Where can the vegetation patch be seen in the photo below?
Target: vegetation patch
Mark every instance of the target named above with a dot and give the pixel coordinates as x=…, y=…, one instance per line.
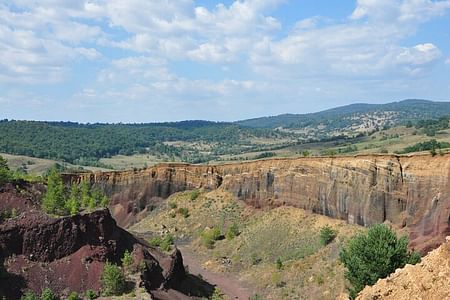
x=369, y=257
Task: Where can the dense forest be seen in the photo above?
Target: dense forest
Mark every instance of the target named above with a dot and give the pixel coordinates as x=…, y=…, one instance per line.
x=84, y=144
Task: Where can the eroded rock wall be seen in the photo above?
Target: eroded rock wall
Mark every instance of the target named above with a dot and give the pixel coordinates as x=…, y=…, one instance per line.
x=408, y=191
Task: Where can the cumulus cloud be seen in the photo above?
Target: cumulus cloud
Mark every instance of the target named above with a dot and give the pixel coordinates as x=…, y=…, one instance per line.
x=368, y=45
x=142, y=50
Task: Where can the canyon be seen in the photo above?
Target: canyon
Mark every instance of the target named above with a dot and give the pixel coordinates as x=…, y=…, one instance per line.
x=410, y=192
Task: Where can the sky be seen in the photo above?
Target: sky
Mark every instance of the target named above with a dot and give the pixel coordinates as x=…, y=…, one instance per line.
x=169, y=60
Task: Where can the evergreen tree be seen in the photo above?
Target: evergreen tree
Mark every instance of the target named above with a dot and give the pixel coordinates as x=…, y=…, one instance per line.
x=85, y=194
x=73, y=203
x=113, y=280
x=5, y=173
x=54, y=198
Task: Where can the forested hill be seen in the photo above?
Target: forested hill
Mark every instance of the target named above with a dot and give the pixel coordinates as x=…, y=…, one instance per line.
x=85, y=143
x=396, y=113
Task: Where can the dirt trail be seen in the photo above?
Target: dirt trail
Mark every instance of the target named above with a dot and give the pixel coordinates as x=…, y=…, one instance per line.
x=229, y=285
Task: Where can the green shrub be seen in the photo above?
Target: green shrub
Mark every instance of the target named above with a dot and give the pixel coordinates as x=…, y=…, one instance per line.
x=47, y=294
x=327, y=235
x=279, y=263
x=183, y=211
x=172, y=204
x=73, y=296
x=113, y=280
x=210, y=236
x=255, y=259
x=369, y=257
x=90, y=294
x=217, y=295
x=127, y=259
x=194, y=194
x=167, y=242
x=255, y=297
x=29, y=296
x=155, y=241
x=163, y=243
x=232, y=232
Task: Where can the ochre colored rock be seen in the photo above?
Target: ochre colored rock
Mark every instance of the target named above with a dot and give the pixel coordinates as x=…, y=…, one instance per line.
x=408, y=191
x=430, y=279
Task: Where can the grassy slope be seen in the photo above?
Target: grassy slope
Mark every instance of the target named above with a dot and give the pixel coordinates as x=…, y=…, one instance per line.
x=310, y=270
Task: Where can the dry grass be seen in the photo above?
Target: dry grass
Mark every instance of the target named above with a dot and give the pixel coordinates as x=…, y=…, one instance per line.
x=310, y=270
x=38, y=166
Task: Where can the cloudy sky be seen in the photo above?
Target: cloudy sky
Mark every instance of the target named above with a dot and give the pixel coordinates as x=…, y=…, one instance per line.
x=159, y=60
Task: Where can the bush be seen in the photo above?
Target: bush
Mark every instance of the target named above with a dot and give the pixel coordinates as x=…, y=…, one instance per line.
x=167, y=242
x=90, y=294
x=113, y=280
x=210, y=236
x=195, y=194
x=232, y=232
x=184, y=212
x=217, y=295
x=172, y=204
x=127, y=259
x=279, y=263
x=29, y=296
x=73, y=296
x=163, y=243
x=327, y=235
x=369, y=257
x=155, y=241
x=47, y=294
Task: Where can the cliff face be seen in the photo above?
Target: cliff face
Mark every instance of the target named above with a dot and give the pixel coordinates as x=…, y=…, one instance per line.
x=411, y=192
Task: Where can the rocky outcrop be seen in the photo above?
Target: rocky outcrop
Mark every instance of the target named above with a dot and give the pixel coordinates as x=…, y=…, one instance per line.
x=412, y=192
x=430, y=279
x=68, y=253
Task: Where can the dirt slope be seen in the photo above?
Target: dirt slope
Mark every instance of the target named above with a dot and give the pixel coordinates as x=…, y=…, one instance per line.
x=429, y=279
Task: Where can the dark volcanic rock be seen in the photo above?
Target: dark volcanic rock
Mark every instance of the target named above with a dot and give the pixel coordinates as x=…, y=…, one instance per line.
x=68, y=253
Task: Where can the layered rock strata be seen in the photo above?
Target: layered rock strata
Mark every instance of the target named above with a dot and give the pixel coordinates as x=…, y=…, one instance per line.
x=411, y=192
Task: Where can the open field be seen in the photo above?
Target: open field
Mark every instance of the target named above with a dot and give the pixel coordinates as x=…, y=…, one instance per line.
x=39, y=166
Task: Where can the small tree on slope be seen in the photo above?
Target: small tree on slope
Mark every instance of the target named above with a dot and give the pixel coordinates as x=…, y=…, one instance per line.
x=375, y=255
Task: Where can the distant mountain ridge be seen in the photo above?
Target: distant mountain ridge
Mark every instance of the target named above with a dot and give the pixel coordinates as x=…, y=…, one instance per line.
x=406, y=110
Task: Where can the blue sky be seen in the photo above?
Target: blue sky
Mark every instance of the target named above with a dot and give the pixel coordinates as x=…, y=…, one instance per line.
x=167, y=60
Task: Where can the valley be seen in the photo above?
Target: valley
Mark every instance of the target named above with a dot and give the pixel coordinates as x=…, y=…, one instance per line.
x=248, y=207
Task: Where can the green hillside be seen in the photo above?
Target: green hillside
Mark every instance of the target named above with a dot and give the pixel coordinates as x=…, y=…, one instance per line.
x=406, y=110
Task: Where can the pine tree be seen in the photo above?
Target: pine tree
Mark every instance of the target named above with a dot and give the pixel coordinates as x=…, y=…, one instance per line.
x=5, y=173
x=53, y=201
x=85, y=194
x=73, y=203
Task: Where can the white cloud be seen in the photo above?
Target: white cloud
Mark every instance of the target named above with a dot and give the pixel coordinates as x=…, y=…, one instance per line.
x=400, y=10
x=447, y=61
x=134, y=47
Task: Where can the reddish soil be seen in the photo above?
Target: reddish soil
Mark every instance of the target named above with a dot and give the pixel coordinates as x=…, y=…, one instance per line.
x=68, y=253
x=226, y=282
